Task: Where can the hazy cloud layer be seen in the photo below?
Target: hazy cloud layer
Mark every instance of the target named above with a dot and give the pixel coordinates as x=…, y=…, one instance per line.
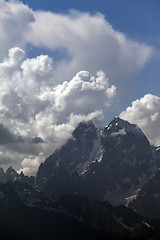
x=145, y=112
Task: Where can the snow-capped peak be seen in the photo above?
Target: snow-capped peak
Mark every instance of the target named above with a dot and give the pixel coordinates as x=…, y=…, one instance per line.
x=118, y=123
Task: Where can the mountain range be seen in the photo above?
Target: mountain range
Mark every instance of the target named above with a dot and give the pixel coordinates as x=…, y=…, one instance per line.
x=103, y=182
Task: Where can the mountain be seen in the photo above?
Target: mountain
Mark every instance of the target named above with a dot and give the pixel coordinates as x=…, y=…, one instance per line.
x=110, y=163
x=72, y=217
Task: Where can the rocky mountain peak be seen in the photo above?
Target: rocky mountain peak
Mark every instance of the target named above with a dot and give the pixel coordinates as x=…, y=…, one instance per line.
x=85, y=129
x=1, y=171
x=11, y=175
x=118, y=124
x=105, y=164
x=1, y=174
x=10, y=170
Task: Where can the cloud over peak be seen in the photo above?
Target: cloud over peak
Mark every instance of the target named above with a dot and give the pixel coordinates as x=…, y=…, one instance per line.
x=145, y=112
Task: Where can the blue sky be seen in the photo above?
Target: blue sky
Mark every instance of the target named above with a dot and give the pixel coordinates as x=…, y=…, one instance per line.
x=139, y=20
x=62, y=62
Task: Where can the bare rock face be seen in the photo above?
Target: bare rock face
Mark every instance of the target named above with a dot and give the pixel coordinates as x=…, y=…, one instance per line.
x=1, y=175
x=105, y=164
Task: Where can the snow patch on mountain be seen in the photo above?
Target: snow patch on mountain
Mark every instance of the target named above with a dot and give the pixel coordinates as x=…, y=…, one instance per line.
x=97, y=151
x=120, y=132
x=130, y=199
x=147, y=224
x=124, y=195
x=157, y=148
x=119, y=195
x=96, y=155
x=121, y=221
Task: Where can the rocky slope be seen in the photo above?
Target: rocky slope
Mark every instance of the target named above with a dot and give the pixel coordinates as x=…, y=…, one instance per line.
x=103, y=216
x=147, y=201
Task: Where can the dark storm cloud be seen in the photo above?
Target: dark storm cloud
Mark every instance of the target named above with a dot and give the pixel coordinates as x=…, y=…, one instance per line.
x=7, y=137
x=5, y=160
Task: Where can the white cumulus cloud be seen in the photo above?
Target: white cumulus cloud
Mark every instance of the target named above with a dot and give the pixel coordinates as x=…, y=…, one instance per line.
x=15, y=19
x=145, y=112
x=34, y=106
x=91, y=43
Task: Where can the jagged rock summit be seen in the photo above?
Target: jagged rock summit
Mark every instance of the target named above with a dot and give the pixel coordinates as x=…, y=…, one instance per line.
x=12, y=175
x=110, y=163
x=118, y=124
